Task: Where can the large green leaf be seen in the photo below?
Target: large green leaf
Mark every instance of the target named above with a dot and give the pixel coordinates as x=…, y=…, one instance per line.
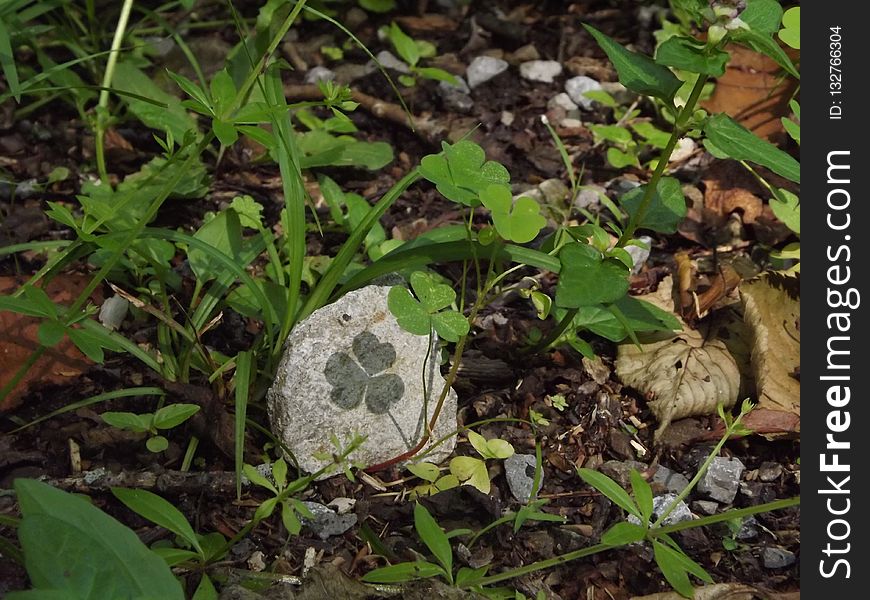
x=640, y=315
x=159, y=511
x=434, y=537
x=638, y=72
x=739, y=143
x=685, y=53
x=72, y=546
x=587, y=278
x=224, y=234
x=666, y=210
x=172, y=118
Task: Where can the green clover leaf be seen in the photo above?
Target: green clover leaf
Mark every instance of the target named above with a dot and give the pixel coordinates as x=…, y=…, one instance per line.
x=518, y=222
x=461, y=172
x=420, y=315
x=495, y=448
x=791, y=30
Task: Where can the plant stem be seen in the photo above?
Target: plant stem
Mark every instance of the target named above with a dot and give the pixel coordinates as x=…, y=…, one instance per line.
x=713, y=454
x=651, y=187
x=103, y=104
x=448, y=382
x=583, y=552
x=648, y=194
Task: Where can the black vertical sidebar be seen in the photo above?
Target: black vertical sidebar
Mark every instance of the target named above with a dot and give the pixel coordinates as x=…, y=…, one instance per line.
x=835, y=247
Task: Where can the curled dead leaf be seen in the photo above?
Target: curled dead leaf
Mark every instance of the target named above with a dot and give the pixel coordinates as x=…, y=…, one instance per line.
x=772, y=313
x=719, y=591
x=684, y=374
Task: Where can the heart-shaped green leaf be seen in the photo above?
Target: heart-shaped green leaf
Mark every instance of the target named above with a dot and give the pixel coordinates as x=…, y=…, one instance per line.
x=471, y=471
x=790, y=33
x=409, y=313
x=586, y=278
x=433, y=295
x=450, y=325
x=666, y=210
x=460, y=172
x=519, y=221
x=425, y=471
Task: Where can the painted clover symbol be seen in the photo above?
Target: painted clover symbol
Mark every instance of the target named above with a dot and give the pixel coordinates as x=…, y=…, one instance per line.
x=360, y=378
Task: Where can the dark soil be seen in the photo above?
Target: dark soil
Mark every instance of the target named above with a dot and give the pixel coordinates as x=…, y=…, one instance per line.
x=603, y=421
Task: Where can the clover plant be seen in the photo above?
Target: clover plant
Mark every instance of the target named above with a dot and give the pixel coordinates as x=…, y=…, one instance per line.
x=411, y=51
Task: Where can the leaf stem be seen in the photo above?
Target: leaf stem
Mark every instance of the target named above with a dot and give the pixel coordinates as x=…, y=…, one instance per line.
x=688, y=110
x=103, y=104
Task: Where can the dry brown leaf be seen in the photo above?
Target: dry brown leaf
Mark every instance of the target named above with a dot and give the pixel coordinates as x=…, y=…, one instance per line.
x=719, y=591
x=754, y=92
x=684, y=374
x=18, y=340
x=772, y=313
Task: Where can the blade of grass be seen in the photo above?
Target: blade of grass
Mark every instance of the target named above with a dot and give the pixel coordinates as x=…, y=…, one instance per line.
x=7, y=62
x=113, y=395
x=422, y=255
x=288, y=157
x=244, y=362
x=321, y=293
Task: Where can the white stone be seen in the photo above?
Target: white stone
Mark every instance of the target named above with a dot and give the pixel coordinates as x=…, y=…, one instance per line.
x=113, y=311
x=578, y=86
x=639, y=255
x=569, y=123
x=349, y=369
x=563, y=101
x=318, y=74
x=389, y=61
x=484, y=68
x=685, y=148
x=544, y=71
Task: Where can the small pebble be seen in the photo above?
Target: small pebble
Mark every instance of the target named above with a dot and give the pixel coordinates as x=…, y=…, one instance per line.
x=389, y=61
x=589, y=196
x=774, y=557
x=640, y=255
x=455, y=96
x=113, y=311
x=769, y=471
x=519, y=470
x=669, y=479
x=327, y=522
x=563, y=101
x=484, y=68
x=660, y=505
x=544, y=71
x=576, y=87
x=685, y=148
x=722, y=479
x=318, y=74
x=705, y=507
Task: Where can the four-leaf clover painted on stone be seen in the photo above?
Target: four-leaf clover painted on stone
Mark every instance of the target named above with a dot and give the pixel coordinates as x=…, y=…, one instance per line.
x=419, y=316
x=519, y=221
x=461, y=172
x=361, y=378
